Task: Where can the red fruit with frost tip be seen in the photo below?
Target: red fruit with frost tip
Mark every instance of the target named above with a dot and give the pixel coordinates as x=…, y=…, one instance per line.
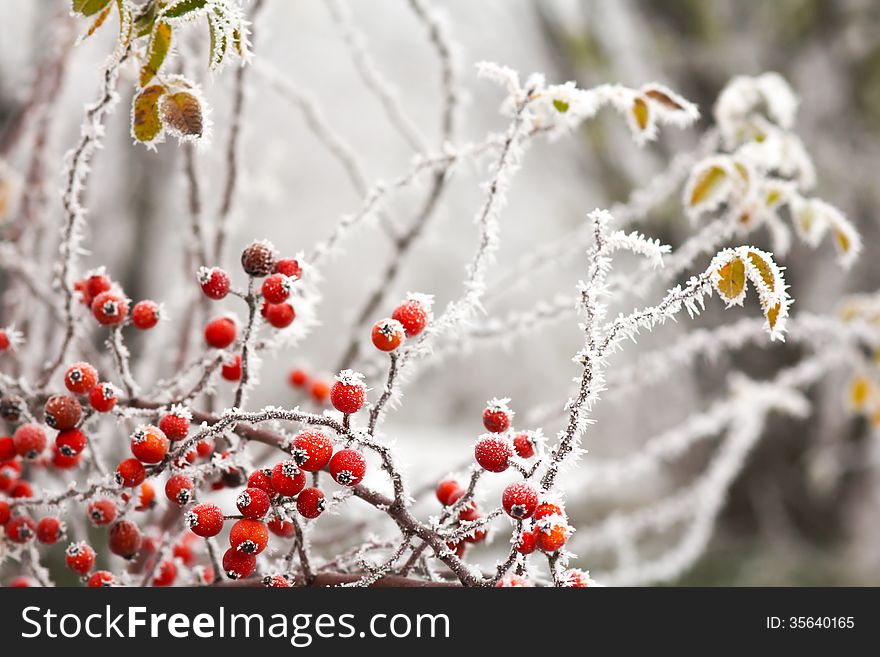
x=20, y=530
x=205, y=520
x=110, y=308
x=298, y=378
x=214, y=282
x=446, y=489
x=249, y=536
x=100, y=579
x=220, y=332
x=493, y=453
x=276, y=582
x=253, y=503
x=30, y=441
x=50, y=530
x=527, y=543
x=576, y=579
x=311, y=449
x=237, y=564
x=387, y=334
x=497, y=416
x=348, y=392
x=282, y=528
x=166, y=573
x=205, y=447
x=63, y=462
x=231, y=369
x=524, y=445
x=62, y=412
x=289, y=267
x=71, y=442
x=103, y=397
x=102, y=511
x=149, y=444
x=551, y=534
x=413, y=314
x=125, y=539
x=145, y=314
x=348, y=467
x=262, y=479
x=288, y=478
x=276, y=288
x=519, y=500
x=180, y=489
x=279, y=315
x=311, y=503
x=80, y=378
x=80, y=558
x=96, y=283
x=130, y=473
x=546, y=509
x=175, y=424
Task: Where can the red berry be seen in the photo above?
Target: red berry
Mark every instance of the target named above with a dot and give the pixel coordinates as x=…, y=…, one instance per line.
x=130, y=473
x=262, y=479
x=145, y=314
x=576, y=579
x=71, y=442
x=348, y=392
x=9, y=473
x=7, y=448
x=231, y=370
x=388, y=334
x=347, y=467
x=205, y=447
x=253, y=503
x=205, y=520
x=497, y=416
x=250, y=536
x=552, y=535
x=282, y=528
x=259, y=258
x=203, y=575
x=493, y=453
x=513, y=581
x=80, y=557
x=102, y=511
x=524, y=445
x=220, y=332
x=101, y=578
x=95, y=283
x=237, y=564
x=5, y=342
x=289, y=267
x=276, y=288
x=288, y=478
x=175, y=424
x=311, y=503
x=298, y=378
x=5, y=512
x=62, y=412
x=29, y=440
x=20, y=529
x=21, y=489
x=103, y=397
x=166, y=573
x=519, y=500
x=110, y=308
x=63, y=462
x=214, y=282
x=125, y=539
x=547, y=509
x=445, y=490
x=527, y=543
x=320, y=391
x=276, y=582
x=311, y=449
x=146, y=497
x=413, y=314
x=80, y=378
x=279, y=315
x=184, y=551
x=49, y=530
x=149, y=444
x=179, y=489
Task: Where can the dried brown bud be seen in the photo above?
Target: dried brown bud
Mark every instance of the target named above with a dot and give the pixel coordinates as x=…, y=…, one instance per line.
x=259, y=258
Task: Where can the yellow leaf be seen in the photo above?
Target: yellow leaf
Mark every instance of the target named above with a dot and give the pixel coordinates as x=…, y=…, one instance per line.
x=732, y=279
x=764, y=269
x=842, y=239
x=773, y=316
x=99, y=21
x=640, y=113
x=146, y=125
x=160, y=43
x=859, y=391
x=182, y=114
x=706, y=184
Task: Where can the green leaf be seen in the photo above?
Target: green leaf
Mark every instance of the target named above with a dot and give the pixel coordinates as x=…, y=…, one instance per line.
x=143, y=22
x=89, y=7
x=218, y=44
x=146, y=125
x=560, y=105
x=159, y=45
x=183, y=8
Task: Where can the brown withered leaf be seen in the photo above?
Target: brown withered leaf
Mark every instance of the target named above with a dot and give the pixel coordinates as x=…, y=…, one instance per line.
x=182, y=114
x=663, y=98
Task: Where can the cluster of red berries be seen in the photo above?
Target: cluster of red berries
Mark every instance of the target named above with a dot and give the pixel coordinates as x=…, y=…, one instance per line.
x=110, y=306
x=449, y=492
x=315, y=386
x=408, y=320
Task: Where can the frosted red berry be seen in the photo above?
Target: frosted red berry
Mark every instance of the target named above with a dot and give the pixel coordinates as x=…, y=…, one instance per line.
x=276, y=288
x=493, y=453
x=546, y=509
x=347, y=467
x=80, y=558
x=20, y=489
x=524, y=445
x=527, y=543
x=282, y=528
x=110, y=308
x=276, y=582
x=348, y=392
x=497, y=416
x=231, y=369
x=279, y=315
x=289, y=267
x=288, y=478
x=311, y=503
x=175, y=423
x=149, y=444
x=446, y=489
x=259, y=258
x=237, y=564
x=387, y=334
x=21, y=529
x=102, y=511
x=519, y=500
x=552, y=536
x=30, y=441
x=205, y=520
x=49, y=530
x=62, y=412
x=145, y=315
x=166, y=573
x=250, y=536
x=253, y=503
x=125, y=539
x=413, y=314
x=94, y=284
x=130, y=473
x=80, y=378
x=101, y=578
x=103, y=397
x=311, y=449
x=513, y=581
x=220, y=332
x=262, y=479
x=214, y=282
x=180, y=489
x=205, y=447
x=63, y=462
x=71, y=442
x=146, y=497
